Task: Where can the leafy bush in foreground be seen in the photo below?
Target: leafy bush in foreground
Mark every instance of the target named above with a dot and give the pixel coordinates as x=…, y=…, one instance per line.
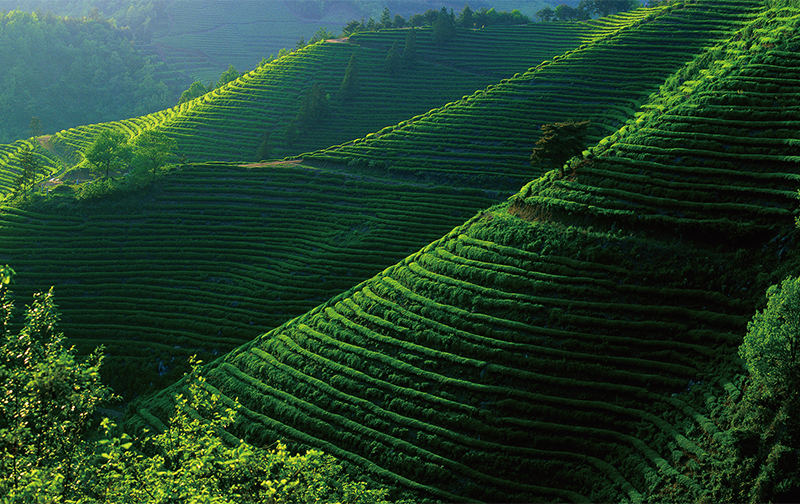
x=49, y=451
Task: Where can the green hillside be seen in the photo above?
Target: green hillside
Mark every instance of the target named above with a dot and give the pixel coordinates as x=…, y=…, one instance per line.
x=488, y=136
x=229, y=124
x=578, y=342
x=151, y=260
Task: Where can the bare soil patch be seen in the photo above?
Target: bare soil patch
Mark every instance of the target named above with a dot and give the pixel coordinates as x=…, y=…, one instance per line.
x=276, y=164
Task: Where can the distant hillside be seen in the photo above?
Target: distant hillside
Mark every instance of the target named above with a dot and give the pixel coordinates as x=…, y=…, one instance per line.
x=578, y=342
x=68, y=72
x=230, y=123
x=201, y=38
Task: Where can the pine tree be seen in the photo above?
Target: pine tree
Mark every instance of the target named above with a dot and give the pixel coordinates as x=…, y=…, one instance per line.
x=350, y=85
x=410, y=49
x=444, y=28
x=386, y=18
x=393, y=59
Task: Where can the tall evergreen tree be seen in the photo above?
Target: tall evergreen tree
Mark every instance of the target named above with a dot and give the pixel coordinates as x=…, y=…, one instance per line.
x=466, y=18
x=386, y=18
x=350, y=86
x=410, y=49
x=393, y=59
x=444, y=28
x=313, y=109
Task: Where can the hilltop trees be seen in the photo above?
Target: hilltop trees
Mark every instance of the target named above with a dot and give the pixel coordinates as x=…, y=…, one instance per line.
x=586, y=9
x=444, y=28
x=558, y=143
x=151, y=150
x=196, y=89
x=466, y=19
x=229, y=75
x=545, y=15
x=109, y=151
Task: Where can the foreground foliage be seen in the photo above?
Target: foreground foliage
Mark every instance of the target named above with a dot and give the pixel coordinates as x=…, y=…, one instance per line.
x=50, y=450
x=770, y=348
x=47, y=405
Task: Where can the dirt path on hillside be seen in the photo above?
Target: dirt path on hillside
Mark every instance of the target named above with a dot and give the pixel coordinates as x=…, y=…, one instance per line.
x=54, y=178
x=276, y=164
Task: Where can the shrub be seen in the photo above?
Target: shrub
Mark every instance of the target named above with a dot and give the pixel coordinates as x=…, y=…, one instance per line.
x=770, y=347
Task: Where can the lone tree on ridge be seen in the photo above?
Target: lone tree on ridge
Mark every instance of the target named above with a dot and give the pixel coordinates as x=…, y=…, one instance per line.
x=559, y=142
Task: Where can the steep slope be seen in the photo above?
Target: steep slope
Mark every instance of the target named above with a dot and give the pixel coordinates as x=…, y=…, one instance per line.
x=179, y=270
x=216, y=255
x=552, y=347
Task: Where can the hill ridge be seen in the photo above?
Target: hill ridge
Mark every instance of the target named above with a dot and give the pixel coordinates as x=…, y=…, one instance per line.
x=472, y=335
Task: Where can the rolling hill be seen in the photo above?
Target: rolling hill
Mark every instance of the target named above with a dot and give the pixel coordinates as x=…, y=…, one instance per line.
x=577, y=342
x=179, y=270
x=229, y=123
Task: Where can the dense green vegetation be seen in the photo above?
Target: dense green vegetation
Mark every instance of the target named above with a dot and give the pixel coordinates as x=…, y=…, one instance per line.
x=69, y=72
x=577, y=342
x=53, y=449
x=585, y=332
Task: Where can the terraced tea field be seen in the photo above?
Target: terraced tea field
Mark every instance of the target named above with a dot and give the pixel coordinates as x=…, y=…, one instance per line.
x=229, y=124
x=498, y=364
x=487, y=137
x=714, y=157
x=216, y=256
x=576, y=342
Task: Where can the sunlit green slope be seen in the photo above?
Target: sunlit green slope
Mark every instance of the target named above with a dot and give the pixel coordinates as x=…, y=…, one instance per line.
x=572, y=344
x=230, y=122
x=179, y=269
x=489, y=135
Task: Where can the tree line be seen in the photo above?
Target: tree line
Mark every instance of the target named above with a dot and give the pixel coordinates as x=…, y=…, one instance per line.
x=588, y=9
x=69, y=72
x=467, y=18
